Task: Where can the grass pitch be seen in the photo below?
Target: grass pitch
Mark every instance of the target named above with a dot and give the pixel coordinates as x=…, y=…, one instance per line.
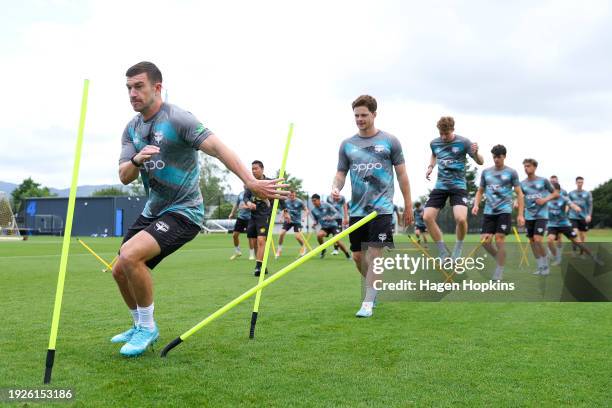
x=309, y=348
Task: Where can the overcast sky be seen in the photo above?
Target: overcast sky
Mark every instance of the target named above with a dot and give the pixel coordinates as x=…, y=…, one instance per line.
x=532, y=75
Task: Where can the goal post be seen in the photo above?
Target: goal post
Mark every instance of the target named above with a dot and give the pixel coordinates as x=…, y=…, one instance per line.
x=8, y=225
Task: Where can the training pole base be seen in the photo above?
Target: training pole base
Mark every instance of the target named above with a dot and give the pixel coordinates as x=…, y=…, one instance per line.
x=49, y=366
x=253, y=323
x=170, y=346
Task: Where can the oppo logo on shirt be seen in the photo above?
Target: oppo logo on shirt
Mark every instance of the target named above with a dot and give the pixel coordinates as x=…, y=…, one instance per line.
x=154, y=164
x=366, y=166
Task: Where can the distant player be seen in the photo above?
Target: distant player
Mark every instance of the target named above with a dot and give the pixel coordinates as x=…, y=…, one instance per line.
x=581, y=219
x=326, y=216
x=395, y=218
x=371, y=156
x=420, y=229
x=161, y=145
x=342, y=208
x=242, y=221
x=538, y=192
x=292, y=216
x=449, y=153
x=497, y=184
x=261, y=210
x=563, y=193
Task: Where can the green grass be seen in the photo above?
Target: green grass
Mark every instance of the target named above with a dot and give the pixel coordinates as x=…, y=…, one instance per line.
x=309, y=349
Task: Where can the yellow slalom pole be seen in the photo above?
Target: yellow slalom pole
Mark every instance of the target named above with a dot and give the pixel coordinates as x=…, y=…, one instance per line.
x=108, y=266
x=305, y=241
x=423, y=250
x=66, y=242
x=270, y=237
x=292, y=266
x=524, y=256
x=111, y=264
x=272, y=246
x=469, y=256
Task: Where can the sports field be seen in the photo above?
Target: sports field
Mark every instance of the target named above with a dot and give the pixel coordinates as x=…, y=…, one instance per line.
x=309, y=349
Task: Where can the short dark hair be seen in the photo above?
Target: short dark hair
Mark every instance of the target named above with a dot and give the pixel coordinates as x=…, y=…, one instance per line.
x=531, y=161
x=579, y=178
x=446, y=124
x=367, y=101
x=556, y=185
x=258, y=162
x=315, y=195
x=417, y=204
x=553, y=176
x=153, y=73
x=498, y=150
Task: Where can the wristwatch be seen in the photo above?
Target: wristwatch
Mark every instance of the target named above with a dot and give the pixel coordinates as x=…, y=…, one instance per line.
x=134, y=161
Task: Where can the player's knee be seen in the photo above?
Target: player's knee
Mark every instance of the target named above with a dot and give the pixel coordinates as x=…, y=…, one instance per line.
x=128, y=260
x=500, y=239
x=429, y=217
x=117, y=271
x=357, y=257
x=461, y=219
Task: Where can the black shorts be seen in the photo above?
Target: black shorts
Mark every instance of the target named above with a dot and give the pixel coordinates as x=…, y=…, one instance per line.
x=580, y=225
x=376, y=233
x=330, y=230
x=420, y=227
x=339, y=222
x=496, y=224
x=258, y=227
x=535, y=227
x=241, y=225
x=171, y=231
x=567, y=231
x=437, y=198
x=297, y=226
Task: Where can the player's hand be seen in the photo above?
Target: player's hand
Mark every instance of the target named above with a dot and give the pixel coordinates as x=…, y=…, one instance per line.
x=146, y=153
x=540, y=201
x=521, y=220
x=345, y=222
x=474, y=148
x=428, y=172
x=335, y=193
x=475, y=209
x=269, y=189
x=251, y=206
x=408, y=216
x=588, y=219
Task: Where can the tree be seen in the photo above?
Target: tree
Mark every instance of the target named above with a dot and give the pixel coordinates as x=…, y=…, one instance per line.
x=470, y=178
x=28, y=188
x=213, y=181
x=295, y=184
x=602, y=205
x=110, y=192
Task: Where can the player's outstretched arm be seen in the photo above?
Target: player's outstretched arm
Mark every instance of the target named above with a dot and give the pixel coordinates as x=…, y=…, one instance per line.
x=477, y=200
x=430, y=167
x=213, y=146
x=476, y=154
x=404, y=183
x=338, y=184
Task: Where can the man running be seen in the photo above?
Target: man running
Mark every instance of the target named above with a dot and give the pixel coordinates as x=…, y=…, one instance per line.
x=292, y=215
x=371, y=156
x=261, y=210
x=449, y=152
x=161, y=144
x=563, y=193
x=420, y=229
x=538, y=192
x=497, y=183
x=342, y=208
x=581, y=219
x=326, y=215
x=242, y=222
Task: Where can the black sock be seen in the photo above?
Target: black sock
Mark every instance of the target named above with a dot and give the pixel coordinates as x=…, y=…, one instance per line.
x=258, y=265
x=336, y=246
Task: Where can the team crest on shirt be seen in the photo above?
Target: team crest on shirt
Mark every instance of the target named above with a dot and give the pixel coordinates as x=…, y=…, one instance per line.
x=540, y=229
x=464, y=199
x=379, y=148
x=158, y=137
x=504, y=177
x=161, y=226
x=262, y=229
x=503, y=227
x=382, y=237
x=455, y=149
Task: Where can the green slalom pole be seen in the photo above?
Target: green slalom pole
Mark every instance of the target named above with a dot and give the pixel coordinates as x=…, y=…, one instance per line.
x=270, y=237
x=265, y=283
x=66, y=243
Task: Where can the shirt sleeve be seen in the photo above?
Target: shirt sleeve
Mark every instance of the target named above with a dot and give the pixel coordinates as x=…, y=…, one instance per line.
x=515, y=179
x=128, y=150
x=189, y=128
x=590, y=203
x=397, y=154
x=483, y=182
x=343, y=160
x=468, y=148
x=548, y=186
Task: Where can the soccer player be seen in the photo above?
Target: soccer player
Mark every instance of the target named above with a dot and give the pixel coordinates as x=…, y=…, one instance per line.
x=581, y=219
x=371, y=156
x=563, y=193
x=497, y=183
x=261, y=210
x=559, y=223
x=342, y=208
x=326, y=215
x=292, y=214
x=538, y=191
x=242, y=221
x=420, y=229
x=449, y=152
x=161, y=144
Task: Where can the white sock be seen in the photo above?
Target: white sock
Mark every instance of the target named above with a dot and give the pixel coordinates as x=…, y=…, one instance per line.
x=441, y=246
x=145, y=315
x=499, y=271
x=237, y=248
x=251, y=252
x=280, y=247
x=370, y=295
x=134, y=313
x=458, y=248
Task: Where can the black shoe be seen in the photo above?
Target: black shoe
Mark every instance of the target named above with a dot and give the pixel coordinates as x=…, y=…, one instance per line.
x=322, y=254
x=257, y=272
